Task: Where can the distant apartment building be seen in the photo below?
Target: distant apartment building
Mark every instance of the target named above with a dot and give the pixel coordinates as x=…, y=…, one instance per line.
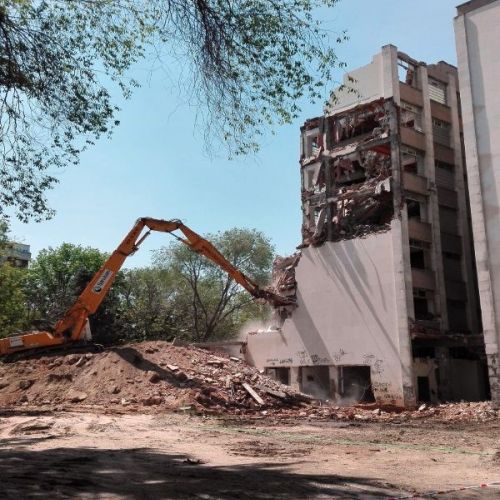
x=17, y=254
x=477, y=31
x=387, y=306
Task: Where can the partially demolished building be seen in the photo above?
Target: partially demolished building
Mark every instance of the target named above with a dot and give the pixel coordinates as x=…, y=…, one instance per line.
x=387, y=305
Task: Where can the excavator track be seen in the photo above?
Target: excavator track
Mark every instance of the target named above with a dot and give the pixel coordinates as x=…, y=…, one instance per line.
x=49, y=351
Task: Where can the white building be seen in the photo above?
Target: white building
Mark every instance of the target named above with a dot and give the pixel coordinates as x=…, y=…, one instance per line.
x=385, y=286
x=477, y=31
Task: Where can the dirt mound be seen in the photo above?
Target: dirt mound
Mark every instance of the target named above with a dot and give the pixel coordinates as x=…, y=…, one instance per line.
x=145, y=374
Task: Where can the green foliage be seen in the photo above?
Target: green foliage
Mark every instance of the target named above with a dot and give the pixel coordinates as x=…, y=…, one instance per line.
x=246, y=63
x=12, y=299
x=208, y=304
x=148, y=304
x=54, y=102
x=4, y=231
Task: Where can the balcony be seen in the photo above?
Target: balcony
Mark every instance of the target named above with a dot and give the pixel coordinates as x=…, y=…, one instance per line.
x=412, y=138
x=441, y=111
x=415, y=183
x=418, y=230
x=410, y=94
x=447, y=198
x=444, y=154
x=423, y=278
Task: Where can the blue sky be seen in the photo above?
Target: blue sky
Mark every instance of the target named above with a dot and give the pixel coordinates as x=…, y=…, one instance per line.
x=155, y=163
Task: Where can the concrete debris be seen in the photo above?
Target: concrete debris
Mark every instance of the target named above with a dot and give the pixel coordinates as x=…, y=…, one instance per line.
x=449, y=413
x=283, y=278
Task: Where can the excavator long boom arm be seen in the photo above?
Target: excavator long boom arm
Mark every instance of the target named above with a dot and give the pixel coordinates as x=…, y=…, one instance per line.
x=72, y=325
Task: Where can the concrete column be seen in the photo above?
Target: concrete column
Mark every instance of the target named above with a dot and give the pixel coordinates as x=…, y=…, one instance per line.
x=295, y=378
x=430, y=172
x=402, y=268
x=390, y=77
x=463, y=212
x=334, y=382
x=443, y=360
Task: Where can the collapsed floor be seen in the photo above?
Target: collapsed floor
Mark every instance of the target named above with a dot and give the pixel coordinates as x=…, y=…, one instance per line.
x=165, y=377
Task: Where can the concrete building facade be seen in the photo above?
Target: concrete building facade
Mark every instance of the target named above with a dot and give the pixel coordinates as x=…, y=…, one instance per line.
x=17, y=254
x=387, y=306
x=477, y=37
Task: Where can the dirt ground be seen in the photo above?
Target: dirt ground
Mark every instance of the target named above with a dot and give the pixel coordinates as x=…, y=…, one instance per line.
x=84, y=454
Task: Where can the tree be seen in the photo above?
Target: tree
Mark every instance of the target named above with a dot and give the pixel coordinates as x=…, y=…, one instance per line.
x=247, y=62
x=147, y=296
x=208, y=303
x=12, y=299
x=58, y=275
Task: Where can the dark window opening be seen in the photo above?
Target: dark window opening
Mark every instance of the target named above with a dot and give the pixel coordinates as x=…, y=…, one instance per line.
x=424, y=389
x=282, y=375
x=411, y=168
x=453, y=256
x=355, y=384
x=421, y=307
x=457, y=315
x=315, y=380
x=445, y=166
x=417, y=258
x=424, y=352
x=414, y=209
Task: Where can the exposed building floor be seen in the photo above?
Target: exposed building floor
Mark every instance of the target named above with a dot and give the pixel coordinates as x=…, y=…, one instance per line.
x=165, y=455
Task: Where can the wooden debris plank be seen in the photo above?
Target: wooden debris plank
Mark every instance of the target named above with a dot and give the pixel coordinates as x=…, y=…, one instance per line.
x=252, y=393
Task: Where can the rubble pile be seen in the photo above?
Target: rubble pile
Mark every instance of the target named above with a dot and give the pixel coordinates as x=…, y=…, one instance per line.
x=441, y=413
x=146, y=374
x=163, y=376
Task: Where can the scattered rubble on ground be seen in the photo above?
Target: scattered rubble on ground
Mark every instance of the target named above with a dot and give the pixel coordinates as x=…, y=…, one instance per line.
x=440, y=413
x=185, y=378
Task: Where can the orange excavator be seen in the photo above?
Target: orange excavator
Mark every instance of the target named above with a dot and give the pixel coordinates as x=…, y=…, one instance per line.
x=73, y=326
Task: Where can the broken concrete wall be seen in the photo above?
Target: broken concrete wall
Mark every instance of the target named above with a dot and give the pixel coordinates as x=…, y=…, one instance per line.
x=367, y=83
x=347, y=315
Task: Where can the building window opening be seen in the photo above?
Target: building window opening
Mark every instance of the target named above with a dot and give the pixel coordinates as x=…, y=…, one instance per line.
x=411, y=116
x=424, y=389
x=442, y=132
x=315, y=380
x=417, y=258
x=355, y=384
x=437, y=91
x=414, y=209
x=407, y=72
x=413, y=161
x=281, y=374
x=422, y=303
